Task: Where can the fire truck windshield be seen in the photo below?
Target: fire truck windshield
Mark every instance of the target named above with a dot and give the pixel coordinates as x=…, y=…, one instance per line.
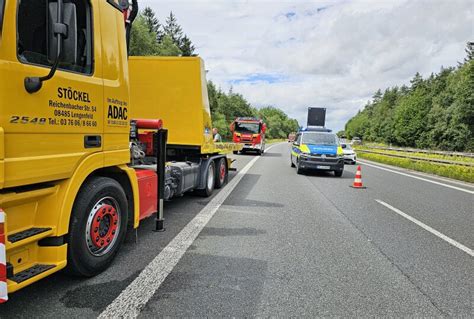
x=253, y=128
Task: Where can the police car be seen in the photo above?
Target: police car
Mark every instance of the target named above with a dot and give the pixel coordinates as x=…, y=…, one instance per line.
x=317, y=149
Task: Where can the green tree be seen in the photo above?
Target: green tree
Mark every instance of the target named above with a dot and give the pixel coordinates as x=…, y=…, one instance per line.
x=436, y=112
x=168, y=48
x=469, y=52
x=278, y=123
x=152, y=23
x=173, y=29
x=341, y=134
x=186, y=46
x=142, y=41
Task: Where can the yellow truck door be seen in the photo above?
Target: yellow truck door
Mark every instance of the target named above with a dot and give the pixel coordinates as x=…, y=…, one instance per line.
x=65, y=115
x=116, y=115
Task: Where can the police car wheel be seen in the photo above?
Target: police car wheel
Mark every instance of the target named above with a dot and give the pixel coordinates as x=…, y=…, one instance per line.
x=299, y=170
x=338, y=173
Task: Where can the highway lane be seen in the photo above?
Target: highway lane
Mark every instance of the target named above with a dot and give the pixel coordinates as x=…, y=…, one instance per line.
x=60, y=296
x=285, y=245
x=291, y=245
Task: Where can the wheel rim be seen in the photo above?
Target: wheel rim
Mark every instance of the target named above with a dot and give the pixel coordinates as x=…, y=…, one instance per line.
x=103, y=226
x=210, y=177
x=222, y=172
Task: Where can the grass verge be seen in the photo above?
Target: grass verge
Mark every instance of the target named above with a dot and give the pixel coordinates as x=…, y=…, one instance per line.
x=462, y=173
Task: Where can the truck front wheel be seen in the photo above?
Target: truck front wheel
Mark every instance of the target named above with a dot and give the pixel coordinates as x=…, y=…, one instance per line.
x=97, y=227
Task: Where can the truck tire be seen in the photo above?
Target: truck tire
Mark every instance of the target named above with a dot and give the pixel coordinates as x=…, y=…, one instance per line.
x=97, y=228
x=210, y=181
x=221, y=172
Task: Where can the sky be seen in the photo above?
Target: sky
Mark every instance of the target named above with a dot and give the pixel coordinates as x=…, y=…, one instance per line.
x=332, y=54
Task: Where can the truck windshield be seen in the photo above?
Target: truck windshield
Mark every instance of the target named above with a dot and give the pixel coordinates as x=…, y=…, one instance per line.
x=253, y=128
x=319, y=138
x=2, y=4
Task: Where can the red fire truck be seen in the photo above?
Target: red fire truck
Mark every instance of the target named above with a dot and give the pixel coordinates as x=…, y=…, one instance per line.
x=250, y=132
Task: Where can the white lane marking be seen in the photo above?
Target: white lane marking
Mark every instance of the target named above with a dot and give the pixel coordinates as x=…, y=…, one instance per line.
x=420, y=178
x=133, y=298
x=467, y=250
x=422, y=174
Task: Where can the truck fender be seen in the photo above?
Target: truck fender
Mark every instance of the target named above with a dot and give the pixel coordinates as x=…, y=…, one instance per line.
x=87, y=168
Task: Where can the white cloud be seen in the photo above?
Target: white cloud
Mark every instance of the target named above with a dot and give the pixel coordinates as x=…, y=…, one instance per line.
x=334, y=54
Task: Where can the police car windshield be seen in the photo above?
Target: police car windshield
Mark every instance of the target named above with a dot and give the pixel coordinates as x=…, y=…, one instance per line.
x=247, y=127
x=319, y=138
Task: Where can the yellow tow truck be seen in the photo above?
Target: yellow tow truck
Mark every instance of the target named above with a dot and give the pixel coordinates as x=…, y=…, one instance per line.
x=90, y=141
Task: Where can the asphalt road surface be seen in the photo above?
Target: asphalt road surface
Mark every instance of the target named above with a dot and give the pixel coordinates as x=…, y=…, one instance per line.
x=274, y=243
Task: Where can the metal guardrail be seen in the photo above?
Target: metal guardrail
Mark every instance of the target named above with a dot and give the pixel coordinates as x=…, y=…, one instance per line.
x=416, y=158
x=414, y=150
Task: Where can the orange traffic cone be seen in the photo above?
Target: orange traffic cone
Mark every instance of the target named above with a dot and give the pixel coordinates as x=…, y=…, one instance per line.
x=358, y=179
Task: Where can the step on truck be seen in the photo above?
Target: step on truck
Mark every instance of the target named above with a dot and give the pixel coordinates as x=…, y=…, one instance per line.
x=91, y=143
x=250, y=133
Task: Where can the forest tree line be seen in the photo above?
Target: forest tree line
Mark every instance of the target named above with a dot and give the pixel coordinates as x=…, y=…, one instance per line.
x=149, y=37
x=434, y=113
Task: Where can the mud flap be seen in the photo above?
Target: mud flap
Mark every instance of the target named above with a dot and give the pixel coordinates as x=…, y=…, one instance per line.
x=3, y=260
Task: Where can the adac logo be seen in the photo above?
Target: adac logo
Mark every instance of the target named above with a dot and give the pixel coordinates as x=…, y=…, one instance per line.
x=117, y=113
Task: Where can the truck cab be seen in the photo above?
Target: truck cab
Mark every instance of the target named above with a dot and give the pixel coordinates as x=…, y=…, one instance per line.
x=250, y=132
x=64, y=131
x=79, y=165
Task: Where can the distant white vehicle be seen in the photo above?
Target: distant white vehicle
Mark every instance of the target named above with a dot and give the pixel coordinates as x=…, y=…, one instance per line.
x=356, y=140
x=350, y=155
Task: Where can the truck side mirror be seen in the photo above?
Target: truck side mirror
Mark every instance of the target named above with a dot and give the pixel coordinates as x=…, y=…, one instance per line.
x=62, y=34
